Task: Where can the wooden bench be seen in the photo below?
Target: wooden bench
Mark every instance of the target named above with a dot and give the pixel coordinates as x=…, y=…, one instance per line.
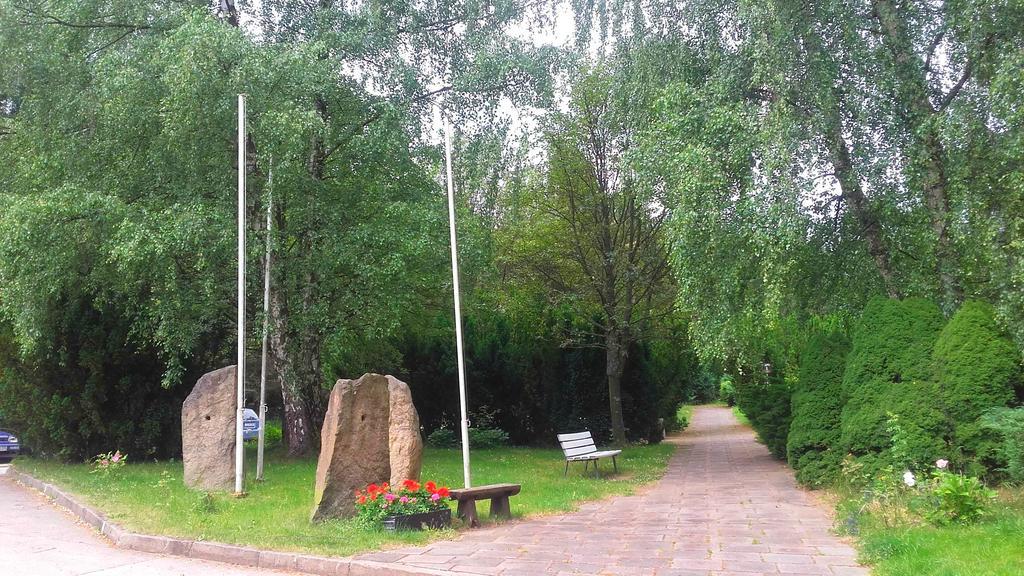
x=497, y=493
x=579, y=446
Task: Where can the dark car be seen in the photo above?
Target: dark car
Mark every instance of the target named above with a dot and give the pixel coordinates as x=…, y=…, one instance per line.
x=9, y=446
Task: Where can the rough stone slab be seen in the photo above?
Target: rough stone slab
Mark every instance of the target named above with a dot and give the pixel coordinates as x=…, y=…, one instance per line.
x=354, y=447
x=208, y=420
x=405, y=445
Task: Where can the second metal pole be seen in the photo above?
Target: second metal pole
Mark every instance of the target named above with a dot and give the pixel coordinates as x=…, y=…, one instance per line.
x=458, y=305
x=240, y=364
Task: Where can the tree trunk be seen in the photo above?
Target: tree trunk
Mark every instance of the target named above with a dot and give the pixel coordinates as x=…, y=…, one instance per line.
x=912, y=90
x=615, y=364
x=853, y=195
x=297, y=429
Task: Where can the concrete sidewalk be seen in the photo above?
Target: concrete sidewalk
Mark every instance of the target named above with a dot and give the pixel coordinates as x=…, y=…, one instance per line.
x=40, y=539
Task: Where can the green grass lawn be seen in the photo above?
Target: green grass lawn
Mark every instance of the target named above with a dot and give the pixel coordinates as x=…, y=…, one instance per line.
x=151, y=498
x=740, y=416
x=684, y=414
x=993, y=547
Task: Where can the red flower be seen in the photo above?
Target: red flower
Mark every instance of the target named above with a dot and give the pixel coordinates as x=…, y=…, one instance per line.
x=373, y=489
x=431, y=486
x=361, y=499
x=411, y=485
x=443, y=492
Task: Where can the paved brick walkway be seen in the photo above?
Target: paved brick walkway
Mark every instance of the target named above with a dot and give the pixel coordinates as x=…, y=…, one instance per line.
x=724, y=507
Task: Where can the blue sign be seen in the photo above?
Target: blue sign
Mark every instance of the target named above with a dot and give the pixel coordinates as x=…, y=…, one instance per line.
x=250, y=424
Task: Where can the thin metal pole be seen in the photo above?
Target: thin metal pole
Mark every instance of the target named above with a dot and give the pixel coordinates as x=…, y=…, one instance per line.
x=458, y=304
x=240, y=365
x=260, y=442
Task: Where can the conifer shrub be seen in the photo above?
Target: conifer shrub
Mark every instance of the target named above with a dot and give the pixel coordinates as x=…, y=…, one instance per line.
x=976, y=367
x=889, y=371
x=812, y=447
x=765, y=402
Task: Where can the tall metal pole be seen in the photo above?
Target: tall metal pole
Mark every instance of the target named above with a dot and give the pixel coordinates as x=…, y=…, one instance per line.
x=266, y=323
x=240, y=364
x=458, y=304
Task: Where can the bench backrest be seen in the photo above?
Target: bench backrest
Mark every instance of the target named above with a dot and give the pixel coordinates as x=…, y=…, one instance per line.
x=577, y=444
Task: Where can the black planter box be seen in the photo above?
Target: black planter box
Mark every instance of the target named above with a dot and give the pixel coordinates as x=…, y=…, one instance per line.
x=435, y=519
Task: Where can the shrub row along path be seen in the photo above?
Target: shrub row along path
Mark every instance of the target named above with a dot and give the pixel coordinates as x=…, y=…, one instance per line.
x=39, y=539
x=724, y=507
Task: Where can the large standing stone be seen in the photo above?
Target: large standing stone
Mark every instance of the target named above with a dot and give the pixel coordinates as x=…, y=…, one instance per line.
x=353, y=445
x=405, y=442
x=208, y=431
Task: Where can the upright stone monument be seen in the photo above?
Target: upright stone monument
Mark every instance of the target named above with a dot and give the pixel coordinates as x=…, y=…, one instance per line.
x=208, y=431
x=405, y=444
x=370, y=435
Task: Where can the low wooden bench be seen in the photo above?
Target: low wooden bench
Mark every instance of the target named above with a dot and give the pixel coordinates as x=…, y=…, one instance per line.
x=497, y=493
x=580, y=447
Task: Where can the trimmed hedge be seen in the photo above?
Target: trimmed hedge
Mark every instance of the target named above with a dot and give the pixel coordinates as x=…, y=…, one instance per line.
x=889, y=371
x=765, y=402
x=817, y=405
x=976, y=367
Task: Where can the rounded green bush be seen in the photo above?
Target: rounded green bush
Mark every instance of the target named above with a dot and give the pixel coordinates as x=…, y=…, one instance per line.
x=889, y=371
x=765, y=402
x=976, y=366
x=817, y=404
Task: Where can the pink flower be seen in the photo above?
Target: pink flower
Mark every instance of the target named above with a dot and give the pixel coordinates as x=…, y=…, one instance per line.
x=941, y=464
x=116, y=457
x=435, y=497
x=403, y=499
x=389, y=497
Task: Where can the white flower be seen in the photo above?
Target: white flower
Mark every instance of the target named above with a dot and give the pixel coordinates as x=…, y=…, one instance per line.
x=941, y=464
x=908, y=478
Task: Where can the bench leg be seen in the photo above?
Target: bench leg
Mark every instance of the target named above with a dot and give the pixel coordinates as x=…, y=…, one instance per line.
x=586, y=466
x=596, y=471
x=566, y=473
x=615, y=465
x=500, y=507
x=467, y=512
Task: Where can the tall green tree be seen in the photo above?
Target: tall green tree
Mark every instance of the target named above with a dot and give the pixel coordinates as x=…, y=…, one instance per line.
x=597, y=237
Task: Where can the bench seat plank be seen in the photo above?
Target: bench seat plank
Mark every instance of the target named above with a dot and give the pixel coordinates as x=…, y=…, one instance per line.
x=594, y=455
x=485, y=492
x=497, y=493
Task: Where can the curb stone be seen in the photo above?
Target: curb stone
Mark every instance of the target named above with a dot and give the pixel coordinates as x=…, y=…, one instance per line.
x=218, y=552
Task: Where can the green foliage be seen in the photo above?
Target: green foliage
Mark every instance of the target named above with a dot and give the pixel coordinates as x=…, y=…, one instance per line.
x=272, y=434
x=976, y=367
x=443, y=438
x=889, y=370
x=90, y=392
x=812, y=447
x=765, y=400
x=682, y=419
x=726, y=391
x=1008, y=424
x=957, y=499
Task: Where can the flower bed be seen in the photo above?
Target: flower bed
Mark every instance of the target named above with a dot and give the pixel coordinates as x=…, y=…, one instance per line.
x=411, y=506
